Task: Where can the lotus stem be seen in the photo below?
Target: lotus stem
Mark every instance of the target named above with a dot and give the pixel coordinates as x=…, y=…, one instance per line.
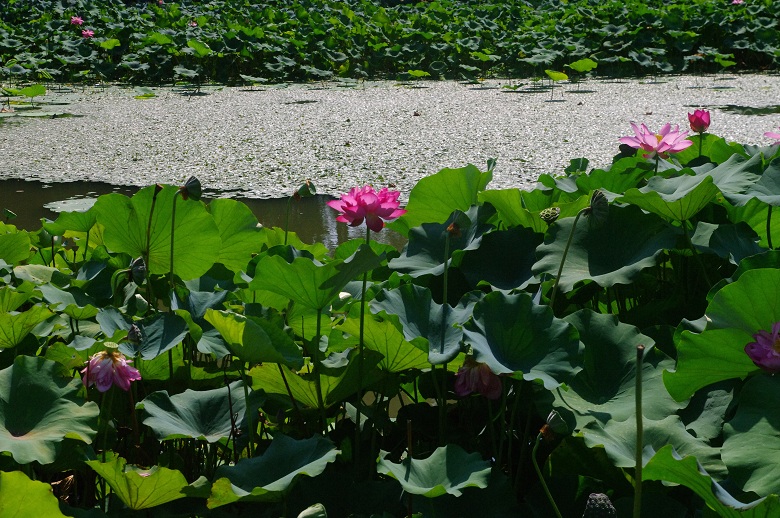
x=565, y=253
x=541, y=478
x=769, y=227
x=701, y=141
x=445, y=305
x=173, y=228
x=361, y=336
x=289, y=391
x=317, y=380
x=249, y=418
x=657, y=160
x=149, y=291
x=640, y=350
x=287, y=219
x=695, y=253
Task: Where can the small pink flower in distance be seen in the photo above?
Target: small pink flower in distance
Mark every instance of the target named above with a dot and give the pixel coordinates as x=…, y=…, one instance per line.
x=477, y=377
x=364, y=203
x=108, y=368
x=76, y=20
x=666, y=141
x=737, y=2
x=765, y=351
x=86, y=33
x=193, y=23
x=776, y=136
x=699, y=120
x=160, y=2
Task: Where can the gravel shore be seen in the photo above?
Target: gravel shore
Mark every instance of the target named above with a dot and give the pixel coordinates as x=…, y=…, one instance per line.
x=263, y=142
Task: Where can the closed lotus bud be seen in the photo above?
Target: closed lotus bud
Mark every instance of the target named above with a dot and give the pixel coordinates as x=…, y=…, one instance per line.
x=454, y=230
x=599, y=208
x=305, y=190
x=550, y=214
x=191, y=189
x=134, y=334
x=138, y=271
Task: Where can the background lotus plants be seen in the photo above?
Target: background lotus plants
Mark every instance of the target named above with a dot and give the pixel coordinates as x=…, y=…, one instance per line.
x=610, y=333
x=147, y=41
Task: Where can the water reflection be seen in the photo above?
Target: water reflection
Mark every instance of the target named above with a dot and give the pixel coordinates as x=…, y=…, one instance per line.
x=310, y=218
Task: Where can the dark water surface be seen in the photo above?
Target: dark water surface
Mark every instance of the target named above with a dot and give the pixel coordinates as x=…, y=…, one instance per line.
x=310, y=218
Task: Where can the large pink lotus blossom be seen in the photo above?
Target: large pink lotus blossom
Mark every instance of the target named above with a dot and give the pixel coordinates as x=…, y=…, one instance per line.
x=666, y=141
x=76, y=20
x=107, y=368
x=699, y=120
x=364, y=203
x=765, y=351
x=776, y=136
x=87, y=33
x=474, y=376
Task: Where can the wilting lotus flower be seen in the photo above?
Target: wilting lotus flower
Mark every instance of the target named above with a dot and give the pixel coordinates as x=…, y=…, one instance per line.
x=666, y=141
x=76, y=20
x=361, y=203
x=699, y=120
x=107, y=368
x=477, y=377
x=765, y=351
x=86, y=33
x=776, y=136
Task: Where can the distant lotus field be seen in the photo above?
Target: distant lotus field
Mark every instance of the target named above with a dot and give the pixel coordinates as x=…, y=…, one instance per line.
x=253, y=42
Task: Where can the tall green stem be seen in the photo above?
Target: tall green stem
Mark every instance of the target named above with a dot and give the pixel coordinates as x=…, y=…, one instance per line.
x=445, y=306
x=565, y=253
x=769, y=227
x=359, y=401
x=173, y=228
x=695, y=253
x=317, y=374
x=541, y=478
x=287, y=219
x=250, y=422
x=148, y=245
x=640, y=350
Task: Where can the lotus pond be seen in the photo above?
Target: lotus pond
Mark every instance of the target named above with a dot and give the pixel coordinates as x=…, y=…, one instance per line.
x=608, y=332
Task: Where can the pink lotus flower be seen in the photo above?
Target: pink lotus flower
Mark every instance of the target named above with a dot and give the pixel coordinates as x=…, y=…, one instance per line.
x=86, y=33
x=193, y=23
x=477, y=377
x=76, y=20
x=699, y=120
x=737, y=2
x=776, y=136
x=361, y=203
x=765, y=351
x=666, y=141
x=107, y=368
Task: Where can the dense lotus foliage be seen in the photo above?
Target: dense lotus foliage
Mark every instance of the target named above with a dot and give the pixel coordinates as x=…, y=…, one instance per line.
x=255, y=41
x=501, y=356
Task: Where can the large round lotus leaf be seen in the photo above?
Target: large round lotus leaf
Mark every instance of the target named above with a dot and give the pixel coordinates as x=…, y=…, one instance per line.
x=593, y=254
x=20, y=496
x=204, y=415
x=238, y=230
x=751, y=450
x=196, y=244
x=512, y=335
x=737, y=312
x=667, y=465
x=38, y=409
x=14, y=247
x=448, y=470
x=268, y=477
x=14, y=326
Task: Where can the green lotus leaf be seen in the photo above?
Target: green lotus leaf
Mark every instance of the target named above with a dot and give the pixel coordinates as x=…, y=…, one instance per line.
x=425, y=252
x=676, y=199
x=255, y=340
x=196, y=244
x=267, y=478
x=385, y=337
x=755, y=213
x=39, y=409
x=766, y=189
x=604, y=390
x=556, y=76
x=421, y=317
x=583, y=65
x=713, y=147
x=435, y=197
x=238, y=230
x=509, y=203
x=336, y=385
x=514, y=336
x=618, y=438
x=11, y=298
x=504, y=259
x=15, y=247
x=143, y=488
x=737, y=174
x=751, y=449
x=718, y=353
x=73, y=221
x=201, y=49
x=448, y=470
x=73, y=302
x=593, y=256
x=306, y=282
x=203, y=415
x=668, y=466
x=732, y=242
x=14, y=327
x=276, y=236
x=20, y=496
x=159, y=334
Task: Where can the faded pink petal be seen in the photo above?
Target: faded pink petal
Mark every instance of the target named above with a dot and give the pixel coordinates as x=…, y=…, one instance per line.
x=765, y=351
x=108, y=368
x=772, y=134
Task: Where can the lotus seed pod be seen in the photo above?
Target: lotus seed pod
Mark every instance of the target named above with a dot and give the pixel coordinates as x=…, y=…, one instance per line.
x=550, y=214
x=138, y=271
x=599, y=208
x=191, y=189
x=134, y=334
x=599, y=506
